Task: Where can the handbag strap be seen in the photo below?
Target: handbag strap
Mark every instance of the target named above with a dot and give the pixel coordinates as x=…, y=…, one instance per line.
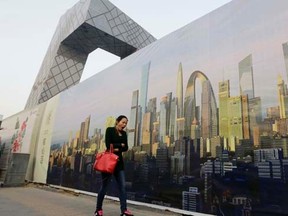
x=111, y=148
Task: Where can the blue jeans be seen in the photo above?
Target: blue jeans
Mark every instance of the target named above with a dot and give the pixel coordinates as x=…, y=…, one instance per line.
x=120, y=179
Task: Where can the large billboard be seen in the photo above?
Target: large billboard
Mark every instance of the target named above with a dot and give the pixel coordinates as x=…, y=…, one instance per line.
x=207, y=116
x=207, y=108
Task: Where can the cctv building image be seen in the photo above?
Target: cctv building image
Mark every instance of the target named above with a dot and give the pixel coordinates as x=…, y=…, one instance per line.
x=207, y=108
x=87, y=26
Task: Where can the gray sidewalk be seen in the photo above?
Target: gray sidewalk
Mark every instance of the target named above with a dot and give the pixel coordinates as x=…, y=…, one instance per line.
x=37, y=200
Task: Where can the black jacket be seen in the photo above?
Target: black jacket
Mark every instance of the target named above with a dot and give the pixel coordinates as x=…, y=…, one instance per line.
x=112, y=137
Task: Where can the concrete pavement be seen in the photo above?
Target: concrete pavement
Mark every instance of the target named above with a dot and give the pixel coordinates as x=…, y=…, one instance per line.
x=42, y=200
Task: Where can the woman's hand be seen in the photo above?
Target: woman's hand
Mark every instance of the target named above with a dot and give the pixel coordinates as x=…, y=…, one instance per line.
x=116, y=149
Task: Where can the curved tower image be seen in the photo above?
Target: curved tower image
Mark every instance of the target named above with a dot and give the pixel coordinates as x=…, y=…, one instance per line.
x=209, y=119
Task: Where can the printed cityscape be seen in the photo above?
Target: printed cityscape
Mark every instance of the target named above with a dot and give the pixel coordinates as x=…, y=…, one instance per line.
x=228, y=159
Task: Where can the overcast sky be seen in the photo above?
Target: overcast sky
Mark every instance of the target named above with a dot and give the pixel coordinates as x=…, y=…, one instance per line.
x=27, y=28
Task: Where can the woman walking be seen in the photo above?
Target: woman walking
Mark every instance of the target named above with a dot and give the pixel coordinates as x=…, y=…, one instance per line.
x=118, y=137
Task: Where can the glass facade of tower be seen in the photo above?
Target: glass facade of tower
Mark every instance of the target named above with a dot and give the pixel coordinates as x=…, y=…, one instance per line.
x=246, y=79
x=133, y=120
x=224, y=94
x=285, y=53
x=80, y=31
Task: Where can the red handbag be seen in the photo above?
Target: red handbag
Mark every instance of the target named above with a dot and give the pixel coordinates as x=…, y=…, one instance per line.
x=106, y=161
